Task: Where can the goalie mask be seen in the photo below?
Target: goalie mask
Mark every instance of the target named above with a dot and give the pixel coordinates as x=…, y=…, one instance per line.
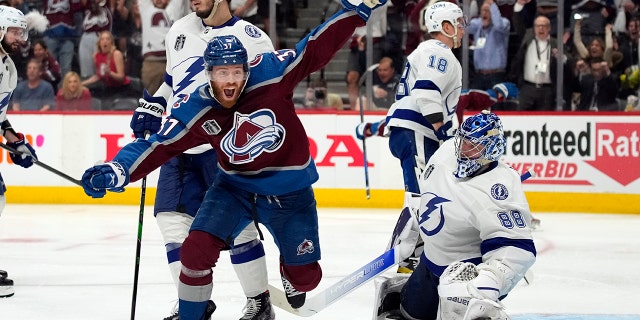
x=227, y=68
x=479, y=141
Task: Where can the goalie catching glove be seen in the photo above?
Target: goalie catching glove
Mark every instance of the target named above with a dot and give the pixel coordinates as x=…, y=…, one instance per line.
x=26, y=154
x=147, y=118
x=110, y=176
x=468, y=291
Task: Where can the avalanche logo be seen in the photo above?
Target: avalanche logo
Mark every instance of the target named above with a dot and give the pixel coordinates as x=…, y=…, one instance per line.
x=305, y=247
x=430, y=223
x=251, y=135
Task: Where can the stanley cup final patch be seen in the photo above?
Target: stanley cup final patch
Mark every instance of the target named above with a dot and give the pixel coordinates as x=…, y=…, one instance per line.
x=179, y=42
x=211, y=127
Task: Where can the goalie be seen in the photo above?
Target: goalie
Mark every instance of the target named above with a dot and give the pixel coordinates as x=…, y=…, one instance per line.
x=475, y=222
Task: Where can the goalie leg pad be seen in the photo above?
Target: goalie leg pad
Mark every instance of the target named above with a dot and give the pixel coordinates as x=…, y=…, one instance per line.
x=387, y=295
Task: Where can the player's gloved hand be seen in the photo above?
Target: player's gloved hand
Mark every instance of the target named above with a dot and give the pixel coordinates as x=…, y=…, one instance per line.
x=444, y=132
x=508, y=90
x=110, y=176
x=26, y=155
x=148, y=116
x=364, y=8
x=368, y=129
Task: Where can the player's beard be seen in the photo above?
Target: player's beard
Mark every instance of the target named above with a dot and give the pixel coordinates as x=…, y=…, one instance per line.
x=220, y=93
x=207, y=12
x=10, y=49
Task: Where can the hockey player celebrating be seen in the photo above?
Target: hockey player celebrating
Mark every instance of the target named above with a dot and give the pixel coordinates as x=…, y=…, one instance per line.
x=475, y=224
x=184, y=179
x=266, y=170
x=425, y=109
x=13, y=32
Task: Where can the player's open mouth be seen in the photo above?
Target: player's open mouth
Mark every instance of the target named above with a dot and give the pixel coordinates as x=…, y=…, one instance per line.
x=229, y=92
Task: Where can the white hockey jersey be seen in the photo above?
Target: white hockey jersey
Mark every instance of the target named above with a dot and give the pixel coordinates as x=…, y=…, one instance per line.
x=185, y=44
x=433, y=77
x=474, y=219
x=8, y=82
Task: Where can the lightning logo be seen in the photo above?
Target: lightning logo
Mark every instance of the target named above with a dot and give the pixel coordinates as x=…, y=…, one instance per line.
x=431, y=206
x=196, y=66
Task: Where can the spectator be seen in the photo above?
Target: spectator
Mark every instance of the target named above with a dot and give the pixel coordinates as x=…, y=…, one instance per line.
x=50, y=65
x=123, y=25
x=73, y=96
x=357, y=60
x=491, y=41
x=110, y=78
x=156, y=16
x=97, y=18
x=61, y=35
x=534, y=68
x=598, y=88
x=628, y=46
x=597, y=48
x=384, y=81
x=33, y=94
x=317, y=96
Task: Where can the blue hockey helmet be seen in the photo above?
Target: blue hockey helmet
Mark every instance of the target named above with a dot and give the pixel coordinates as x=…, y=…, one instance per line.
x=225, y=50
x=479, y=141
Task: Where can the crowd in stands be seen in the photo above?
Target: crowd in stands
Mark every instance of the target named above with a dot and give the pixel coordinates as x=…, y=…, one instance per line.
x=101, y=44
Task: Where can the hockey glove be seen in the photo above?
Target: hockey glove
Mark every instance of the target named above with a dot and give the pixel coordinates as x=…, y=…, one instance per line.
x=363, y=9
x=443, y=133
x=26, y=155
x=368, y=129
x=148, y=116
x=110, y=176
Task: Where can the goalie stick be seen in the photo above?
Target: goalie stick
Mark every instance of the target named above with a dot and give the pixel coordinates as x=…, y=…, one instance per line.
x=43, y=165
x=356, y=279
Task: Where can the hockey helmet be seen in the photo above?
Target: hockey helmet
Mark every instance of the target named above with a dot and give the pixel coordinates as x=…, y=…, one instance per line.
x=12, y=18
x=225, y=50
x=439, y=12
x=479, y=141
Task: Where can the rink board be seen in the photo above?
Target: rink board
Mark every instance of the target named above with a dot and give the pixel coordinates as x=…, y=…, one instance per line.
x=585, y=162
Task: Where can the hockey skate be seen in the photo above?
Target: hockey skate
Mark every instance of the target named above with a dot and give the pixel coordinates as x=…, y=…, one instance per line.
x=259, y=308
x=211, y=307
x=6, y=285
x=295, y=298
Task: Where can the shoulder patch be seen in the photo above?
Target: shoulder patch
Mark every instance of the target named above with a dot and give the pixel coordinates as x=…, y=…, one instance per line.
x=252, y=31
x=499, y=191
x=179, y=44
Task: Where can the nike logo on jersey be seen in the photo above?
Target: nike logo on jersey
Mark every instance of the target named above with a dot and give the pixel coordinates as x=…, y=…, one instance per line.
x=252, y=134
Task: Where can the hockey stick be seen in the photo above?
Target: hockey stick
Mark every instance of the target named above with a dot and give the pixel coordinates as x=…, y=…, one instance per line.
x=43, y=165
x=351, y=282
x=364, y=144
x=336, y=291
x=136, y=269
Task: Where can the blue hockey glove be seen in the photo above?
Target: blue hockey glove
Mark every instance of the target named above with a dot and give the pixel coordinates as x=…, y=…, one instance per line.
x=148, y=116
x=363, y=9
x=26, y=155
x=443, y=132
x=508, y=90
x=368, y=129
x=110, y=176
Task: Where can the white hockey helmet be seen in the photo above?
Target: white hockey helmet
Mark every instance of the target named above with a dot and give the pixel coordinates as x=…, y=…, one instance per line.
x=439, y=12
x=12, y=17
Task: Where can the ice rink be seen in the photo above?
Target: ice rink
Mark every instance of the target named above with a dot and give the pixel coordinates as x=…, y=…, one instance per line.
x=77, y=262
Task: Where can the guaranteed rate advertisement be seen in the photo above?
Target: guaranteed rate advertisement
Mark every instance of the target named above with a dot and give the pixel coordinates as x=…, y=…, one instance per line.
x=570, y=152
